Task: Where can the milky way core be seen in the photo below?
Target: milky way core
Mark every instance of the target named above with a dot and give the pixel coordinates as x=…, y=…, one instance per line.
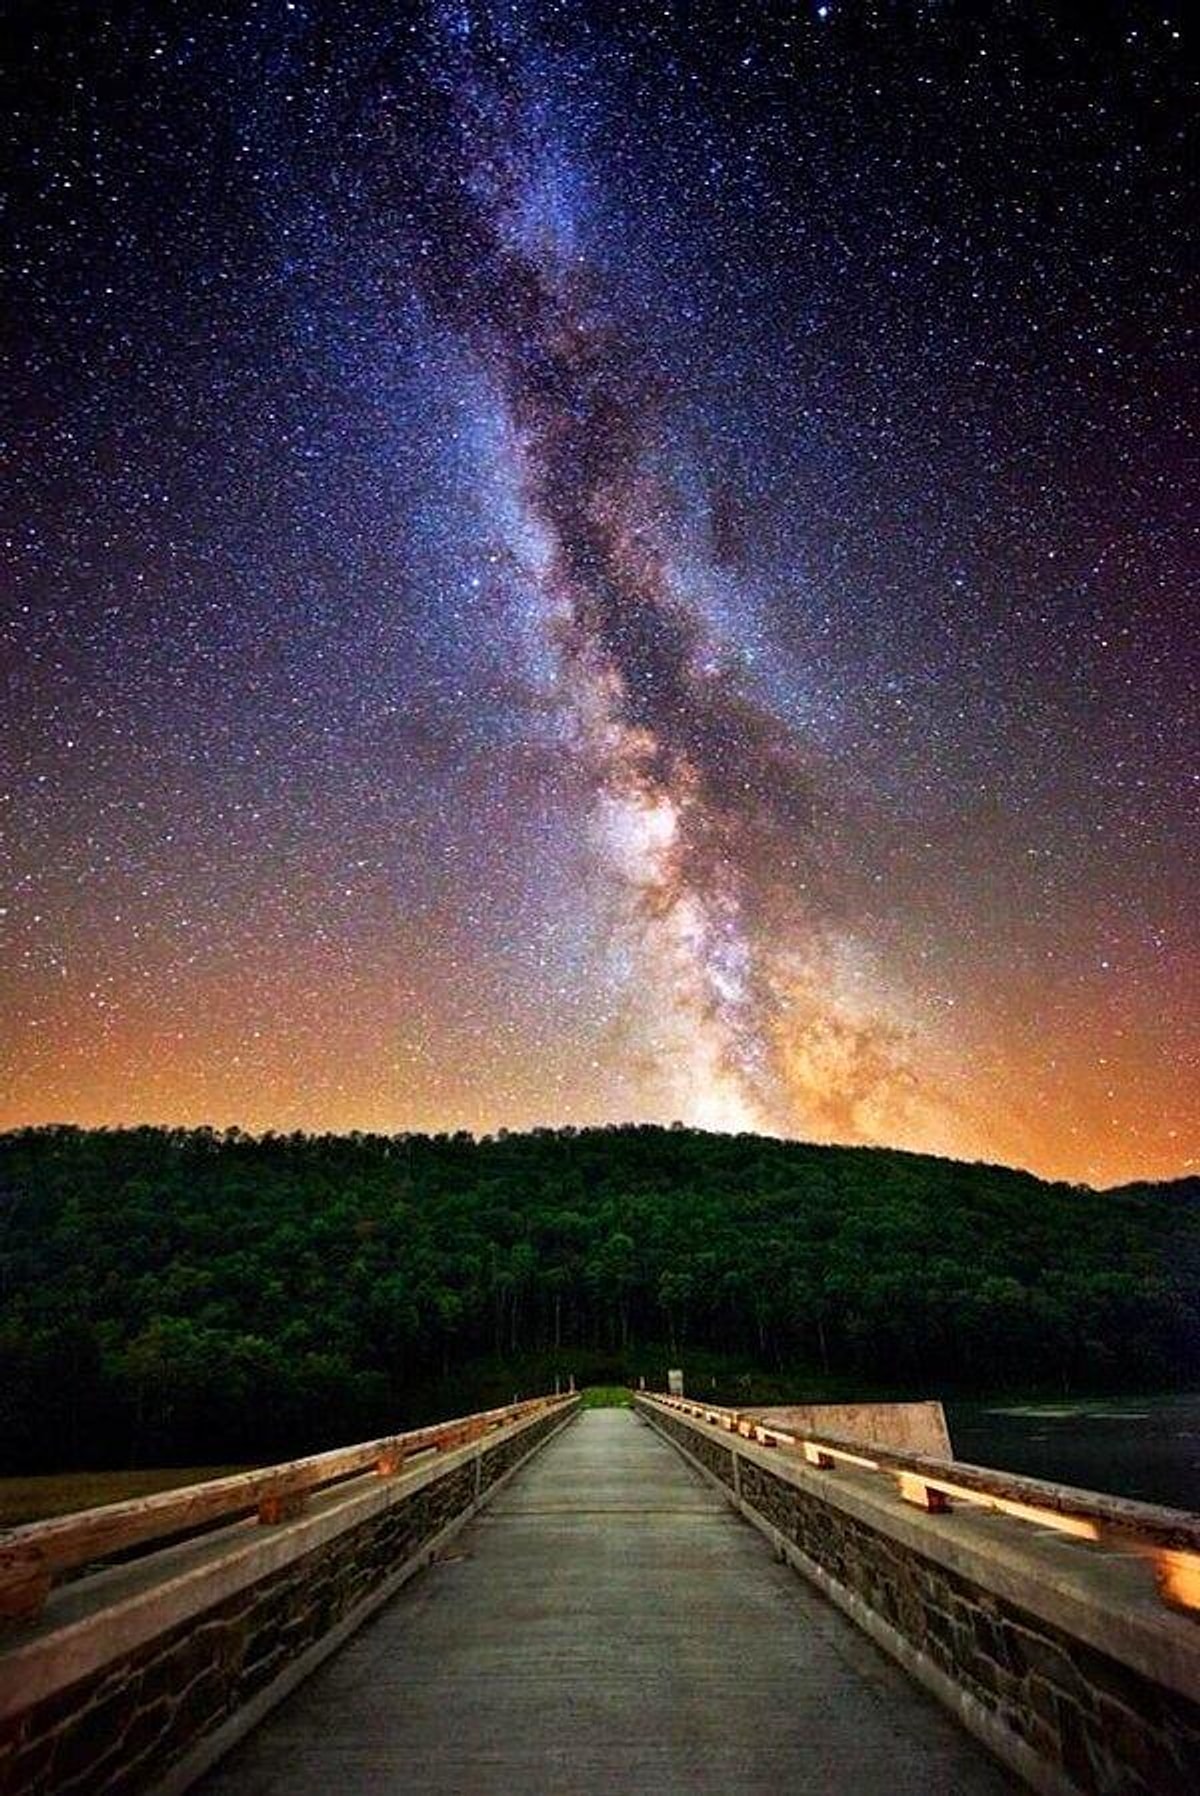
x=576, y=566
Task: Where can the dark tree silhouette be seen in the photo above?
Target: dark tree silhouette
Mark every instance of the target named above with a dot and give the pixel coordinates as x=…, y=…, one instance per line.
x=186, y=1296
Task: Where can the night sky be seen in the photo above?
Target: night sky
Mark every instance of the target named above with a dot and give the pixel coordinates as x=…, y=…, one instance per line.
x=576, y=563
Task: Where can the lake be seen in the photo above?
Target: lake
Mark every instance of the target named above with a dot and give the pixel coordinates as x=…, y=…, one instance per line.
x=1147, y=1447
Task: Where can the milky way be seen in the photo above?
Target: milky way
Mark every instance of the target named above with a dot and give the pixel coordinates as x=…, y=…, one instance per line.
x=576, y=567
x=703, y=798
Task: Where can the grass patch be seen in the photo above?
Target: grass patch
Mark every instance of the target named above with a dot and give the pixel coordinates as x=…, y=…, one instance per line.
x=62, y=1493
x=606, y=1396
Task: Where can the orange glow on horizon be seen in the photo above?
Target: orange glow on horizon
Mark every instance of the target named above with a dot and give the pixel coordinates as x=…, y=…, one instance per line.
x=307, y=1044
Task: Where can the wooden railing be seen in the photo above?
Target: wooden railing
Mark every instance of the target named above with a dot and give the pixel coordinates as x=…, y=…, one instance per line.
x=33, y=1556
x=1168, y=1538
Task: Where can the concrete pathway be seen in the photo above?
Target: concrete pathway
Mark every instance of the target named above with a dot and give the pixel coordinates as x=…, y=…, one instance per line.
x=608, y=1625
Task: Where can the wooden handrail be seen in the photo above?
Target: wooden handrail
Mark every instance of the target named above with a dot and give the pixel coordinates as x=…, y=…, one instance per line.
x=1169, y=1537
x=32, y=1555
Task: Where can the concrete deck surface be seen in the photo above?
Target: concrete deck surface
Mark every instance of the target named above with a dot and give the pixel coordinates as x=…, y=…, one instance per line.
x=608, y=1625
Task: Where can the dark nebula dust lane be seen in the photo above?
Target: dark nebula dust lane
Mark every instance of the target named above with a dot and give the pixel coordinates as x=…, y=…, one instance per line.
x=570, y=566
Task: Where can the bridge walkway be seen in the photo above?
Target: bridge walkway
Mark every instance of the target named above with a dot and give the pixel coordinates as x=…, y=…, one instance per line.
x=608, y=1625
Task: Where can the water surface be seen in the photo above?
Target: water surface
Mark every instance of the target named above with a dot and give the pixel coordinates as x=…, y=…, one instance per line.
x=1147, y=1447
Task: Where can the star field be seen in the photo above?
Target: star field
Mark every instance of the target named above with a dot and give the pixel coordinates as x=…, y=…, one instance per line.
x=574, y=563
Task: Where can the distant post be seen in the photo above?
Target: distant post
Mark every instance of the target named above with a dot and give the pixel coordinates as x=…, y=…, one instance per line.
x=675, y=1382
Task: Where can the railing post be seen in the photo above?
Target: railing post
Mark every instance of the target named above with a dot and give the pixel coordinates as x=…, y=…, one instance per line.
x=915, y=1490
x=25, y=1580
x=276, y=1506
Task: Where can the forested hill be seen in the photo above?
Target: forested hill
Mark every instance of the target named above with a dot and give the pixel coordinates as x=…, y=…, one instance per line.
x=187, y=1295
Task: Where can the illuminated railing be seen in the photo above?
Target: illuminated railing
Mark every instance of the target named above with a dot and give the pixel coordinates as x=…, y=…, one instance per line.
x=1168, y=1539
x=33, y=1556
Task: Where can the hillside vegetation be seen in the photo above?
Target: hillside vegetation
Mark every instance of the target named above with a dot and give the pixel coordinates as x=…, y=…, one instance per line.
x=171, y=1296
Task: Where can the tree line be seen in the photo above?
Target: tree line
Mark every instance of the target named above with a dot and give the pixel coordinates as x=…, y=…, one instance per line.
x=193, y=1296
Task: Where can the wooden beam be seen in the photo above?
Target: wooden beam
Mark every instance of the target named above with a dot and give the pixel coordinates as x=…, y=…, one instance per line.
x=32, y=1555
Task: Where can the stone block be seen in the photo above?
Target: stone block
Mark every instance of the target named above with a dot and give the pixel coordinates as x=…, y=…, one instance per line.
x=1049, y=1662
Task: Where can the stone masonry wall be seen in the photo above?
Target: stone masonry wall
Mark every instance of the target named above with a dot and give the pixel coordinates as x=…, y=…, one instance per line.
x=1108, y=1728
x=712, y=1455
x=118, y=1732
